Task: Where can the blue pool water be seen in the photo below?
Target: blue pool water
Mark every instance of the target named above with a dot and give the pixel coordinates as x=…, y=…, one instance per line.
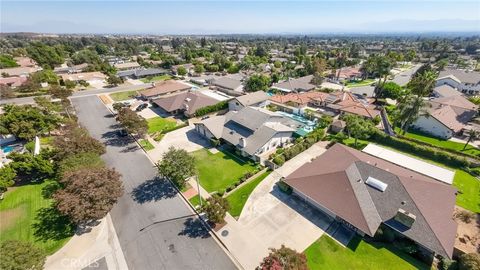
x=7, y=149
x=299, y=118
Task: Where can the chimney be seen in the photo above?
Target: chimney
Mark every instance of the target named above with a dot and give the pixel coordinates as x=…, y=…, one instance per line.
x=242, y=142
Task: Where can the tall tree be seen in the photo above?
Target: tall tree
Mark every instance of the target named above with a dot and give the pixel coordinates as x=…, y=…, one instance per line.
x=257, y=83
x=284, y=259
x=132, y=122
x=89, y=193
x=76, y=140
x=383, y=65
x=216, y=208
x=17, y=255
x=177, y=165
x=423, y=83
x=409, y=109
x=358, y=127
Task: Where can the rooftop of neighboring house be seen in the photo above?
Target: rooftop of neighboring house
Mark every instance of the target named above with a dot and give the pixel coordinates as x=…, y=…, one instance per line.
x=366, y=191
x=348, y=72
x=470, y=77
x=164, y=87
x=25, y=61
x=13, y=81
x=300, y=98
x=454, y=112
x=141, y=72
x=256, y=126
x=126, y=65
x=252, y=98
x=446, y=90
x=295, y=85
x=84, y=76
x=226, y=82
x=188, y=101
x=19, y=71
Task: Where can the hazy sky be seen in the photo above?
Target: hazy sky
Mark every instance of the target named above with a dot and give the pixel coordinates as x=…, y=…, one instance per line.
x=182, y=17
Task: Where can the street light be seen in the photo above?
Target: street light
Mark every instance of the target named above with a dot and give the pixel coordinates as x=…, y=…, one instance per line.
x=198, y=189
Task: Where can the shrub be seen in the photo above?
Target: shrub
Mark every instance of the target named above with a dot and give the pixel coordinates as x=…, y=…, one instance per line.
x=279, y=160
x=213, y=108
x=376, y=120
x=214, y=142
x=469, y=261
x=228, y=189
x=447, y=264
x=284, y=187
x=406, y=245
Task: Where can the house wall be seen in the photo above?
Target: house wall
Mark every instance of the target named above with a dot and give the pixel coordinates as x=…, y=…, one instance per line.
x=202, y=130
x=432, y=126
x=471, y=89
x=277, y=140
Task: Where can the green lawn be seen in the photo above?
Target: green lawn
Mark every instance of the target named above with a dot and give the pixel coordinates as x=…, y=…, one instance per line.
x=351, y=143
x=159, y=124
x=360, y=83
x=120, y=96
x=27, y=216
x=442, y=143
x=156, y=78
x=218, y=171
x=238, y=198
x=325, y=253
x=195, y=200
x=146, y=145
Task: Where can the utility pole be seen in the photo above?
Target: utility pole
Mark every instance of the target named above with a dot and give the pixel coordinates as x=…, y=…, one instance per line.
x=198, y=189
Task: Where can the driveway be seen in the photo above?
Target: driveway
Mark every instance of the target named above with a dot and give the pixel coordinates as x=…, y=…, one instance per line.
x=184, y=138
x=271, y=218
x=155, y=227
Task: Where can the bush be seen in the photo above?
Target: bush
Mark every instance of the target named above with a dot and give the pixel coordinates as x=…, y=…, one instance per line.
x=406, y=245
x=376, y=120
x=213, y=108
x=447, y=264
x=279, y=160
x=214, y=142
x=284, y=187
x=469, y=261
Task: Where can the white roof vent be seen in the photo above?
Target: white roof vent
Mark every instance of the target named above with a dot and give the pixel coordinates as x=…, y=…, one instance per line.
x=377, y=184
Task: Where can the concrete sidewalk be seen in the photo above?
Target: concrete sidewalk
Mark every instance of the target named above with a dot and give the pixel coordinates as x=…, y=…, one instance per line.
x=100, y=244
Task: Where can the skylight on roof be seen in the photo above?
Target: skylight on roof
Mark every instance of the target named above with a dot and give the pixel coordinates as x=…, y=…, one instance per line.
x=376, y=184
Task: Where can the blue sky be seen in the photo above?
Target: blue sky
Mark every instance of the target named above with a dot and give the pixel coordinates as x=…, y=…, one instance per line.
x=212, y=17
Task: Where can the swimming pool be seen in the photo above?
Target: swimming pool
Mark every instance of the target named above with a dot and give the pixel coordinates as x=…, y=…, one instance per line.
x=299, y=118
x=7, y=149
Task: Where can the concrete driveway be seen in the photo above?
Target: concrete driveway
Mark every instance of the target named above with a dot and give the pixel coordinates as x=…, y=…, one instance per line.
x=271, y=218
x=184, y=138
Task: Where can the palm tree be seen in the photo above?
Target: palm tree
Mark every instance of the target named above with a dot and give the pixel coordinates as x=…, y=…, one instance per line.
x=472, y=135
x=409, y=109
x=383, y=65
x=423, y=83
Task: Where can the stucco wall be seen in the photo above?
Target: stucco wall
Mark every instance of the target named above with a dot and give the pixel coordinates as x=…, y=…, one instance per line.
x=432, y=126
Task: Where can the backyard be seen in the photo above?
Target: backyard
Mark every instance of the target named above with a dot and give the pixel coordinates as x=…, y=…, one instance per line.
x=326, y=253
x=213, y=172
x=156, y=78
x=26, y=215
x=239, y=197
x=120, y=96
x=360, y=83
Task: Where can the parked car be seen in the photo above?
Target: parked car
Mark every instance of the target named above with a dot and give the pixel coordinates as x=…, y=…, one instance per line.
x=141, y=107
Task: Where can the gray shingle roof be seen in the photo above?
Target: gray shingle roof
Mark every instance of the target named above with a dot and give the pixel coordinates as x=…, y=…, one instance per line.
x=472, y=77
x=252, y=98
x=227, y=83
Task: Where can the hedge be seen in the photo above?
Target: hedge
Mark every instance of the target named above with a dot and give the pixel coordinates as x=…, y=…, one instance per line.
x=301, y=144
x=420, y=150
x=213, y=108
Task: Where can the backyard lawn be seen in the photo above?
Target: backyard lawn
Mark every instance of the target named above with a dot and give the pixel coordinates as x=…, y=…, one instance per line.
x=360, y=83
x=27, y=216
x=146, y=145
x=156, y=78
x=220, y=170
x=442, y=143
x=120, y=96
x=326, y=253
x=159, y=124
x=238, y=198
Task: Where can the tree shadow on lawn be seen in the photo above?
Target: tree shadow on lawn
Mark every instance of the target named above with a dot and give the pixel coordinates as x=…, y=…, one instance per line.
x=194, y=228
x=52, y=225
x=153, y=190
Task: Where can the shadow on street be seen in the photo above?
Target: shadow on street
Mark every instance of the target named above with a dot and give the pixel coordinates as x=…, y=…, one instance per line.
x=111, y=138
x=153, y=190
x=194, y=228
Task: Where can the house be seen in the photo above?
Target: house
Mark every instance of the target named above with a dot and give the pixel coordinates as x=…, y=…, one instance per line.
x=19, y=71
x=467, y=82
x=446, y=116
x=301, y=84
x=164, y=88
x=188, y=67
x=93, y=78
x=364, y=192
x=254, y=99
x=347, y=74
x=445, y=90
x=73, y=69
x=303, y=99
x=13, y=81
x=126, y=65
x=228, y=85
x=141, y=73
x=254, y=132
x=186, y=102
x=355, y=104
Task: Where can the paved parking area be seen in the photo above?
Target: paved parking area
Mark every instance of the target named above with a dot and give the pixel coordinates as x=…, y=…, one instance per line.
x=271, y=218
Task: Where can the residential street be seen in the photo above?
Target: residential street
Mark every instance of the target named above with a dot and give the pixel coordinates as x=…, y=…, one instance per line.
x=155, y=227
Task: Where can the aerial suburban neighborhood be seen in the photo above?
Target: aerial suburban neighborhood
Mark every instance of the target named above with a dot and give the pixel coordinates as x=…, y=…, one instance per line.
x=184, y=146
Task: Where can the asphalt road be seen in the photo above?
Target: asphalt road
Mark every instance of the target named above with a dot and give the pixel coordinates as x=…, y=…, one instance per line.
x=79, y=94
x=155, y=227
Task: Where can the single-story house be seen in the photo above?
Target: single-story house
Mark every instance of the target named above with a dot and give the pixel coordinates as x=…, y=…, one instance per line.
x=301, y=84
x=445, y=90
x=311, y=98
x=347, y=74
x=126, y=65
x=446, y=116
x=227, y=85
x=19, y=71
x=255, y=132
x=254, y=99
x=73, y=69
x=164, y=88
x=141, y=73
x=93, y=78
x=363, y=192
x=13, y=81
x=187, y=103
x=467, y=82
